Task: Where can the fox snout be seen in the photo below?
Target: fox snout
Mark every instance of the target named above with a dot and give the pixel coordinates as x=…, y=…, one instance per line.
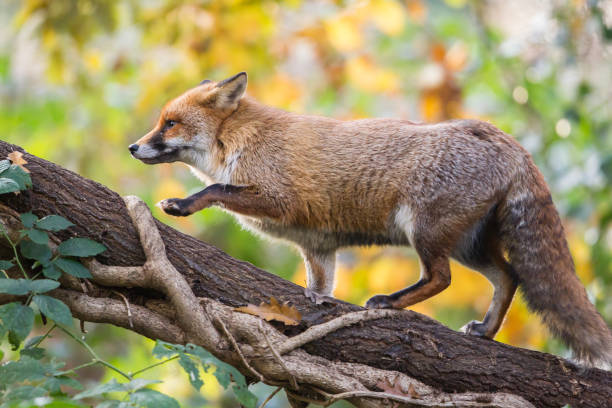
x=152, y=152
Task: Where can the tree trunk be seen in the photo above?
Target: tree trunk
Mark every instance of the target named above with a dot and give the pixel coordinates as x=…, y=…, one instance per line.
x=414, y=344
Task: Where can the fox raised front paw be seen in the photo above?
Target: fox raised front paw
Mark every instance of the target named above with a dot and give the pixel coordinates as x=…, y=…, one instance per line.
x=174, y=206
x=476, y=328
x=379, y=302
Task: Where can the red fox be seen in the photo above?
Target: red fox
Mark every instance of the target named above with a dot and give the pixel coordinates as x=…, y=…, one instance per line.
x=462, y=189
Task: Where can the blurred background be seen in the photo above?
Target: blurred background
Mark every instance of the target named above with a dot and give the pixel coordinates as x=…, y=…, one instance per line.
x=80, y=80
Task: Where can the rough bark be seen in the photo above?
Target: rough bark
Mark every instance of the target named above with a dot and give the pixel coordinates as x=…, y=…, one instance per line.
x=410, y=343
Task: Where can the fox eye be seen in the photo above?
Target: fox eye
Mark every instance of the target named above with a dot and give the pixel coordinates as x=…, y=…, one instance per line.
x=170, y=123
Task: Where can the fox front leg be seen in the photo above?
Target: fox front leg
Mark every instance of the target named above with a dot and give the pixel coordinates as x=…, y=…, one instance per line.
x=245, y=200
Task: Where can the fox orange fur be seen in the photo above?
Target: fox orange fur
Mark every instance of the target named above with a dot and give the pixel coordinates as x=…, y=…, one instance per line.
x=461, y=189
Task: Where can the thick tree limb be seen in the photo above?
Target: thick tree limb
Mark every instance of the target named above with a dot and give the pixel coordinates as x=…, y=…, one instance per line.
x=409, y=346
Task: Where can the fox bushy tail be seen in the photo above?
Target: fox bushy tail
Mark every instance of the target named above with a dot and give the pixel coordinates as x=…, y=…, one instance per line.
x=535, y=242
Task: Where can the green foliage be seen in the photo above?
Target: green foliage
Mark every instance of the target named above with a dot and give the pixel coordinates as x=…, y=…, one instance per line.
x=82, y=247
x=22, y=287
x=8, y=186
x=17, y=321
x=53, y=308
x=72, y=267
x=226, y=375
x=16, y=175
x=53, y=223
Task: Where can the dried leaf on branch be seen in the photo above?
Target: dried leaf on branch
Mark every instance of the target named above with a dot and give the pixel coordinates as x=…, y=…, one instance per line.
x=16, y=157
x=285, y=313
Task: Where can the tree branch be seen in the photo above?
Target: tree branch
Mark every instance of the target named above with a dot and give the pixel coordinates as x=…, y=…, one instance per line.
x=409, y=350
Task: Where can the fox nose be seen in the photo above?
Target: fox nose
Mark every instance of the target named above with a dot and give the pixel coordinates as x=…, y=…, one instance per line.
x=133, y=147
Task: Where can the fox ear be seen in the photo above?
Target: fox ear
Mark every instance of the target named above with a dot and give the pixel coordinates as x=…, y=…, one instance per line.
x=230, y=90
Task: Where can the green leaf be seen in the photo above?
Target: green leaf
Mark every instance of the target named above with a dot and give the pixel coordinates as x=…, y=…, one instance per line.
x=72, y=267
x=225, y=373
x=110, y=404
x=4, y=164
x=192, y=371
x=43, y=285
x=111, y=386
x=28, y=219
x=244, y=396
x=38, y=236
x=54, y=309
x=70, y=382
x=24, y=369
x=147, y=398
x=5, y=265
x=35, y=352
x=32, y=341
x=21, y=287
x=51, y=272
x=8, y=186
x=18, y=320
x=53, y=385
x=17, y=287
x=19, y=176
x=25, y=392
x=53, y=223
x=66, y=403
x=80, y=247
x=38, y=252
x=163, y=349
x=139, y=383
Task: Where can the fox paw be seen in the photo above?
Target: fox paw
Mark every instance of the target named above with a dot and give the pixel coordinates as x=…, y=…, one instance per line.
x=475, y=328
x=379, y=302
x=317, y=298
x=174, y=207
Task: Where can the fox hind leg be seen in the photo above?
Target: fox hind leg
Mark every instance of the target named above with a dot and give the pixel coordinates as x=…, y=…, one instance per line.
x=504, y=283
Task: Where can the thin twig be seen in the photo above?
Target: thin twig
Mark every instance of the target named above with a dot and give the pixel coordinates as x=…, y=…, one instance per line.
x=43, y=337
x=135, y=373
x=74, y=369
x=84, y=288
x=237, y=348
x=321, y=330
x=263, y=404
x=280, y=360
x=331, y=398
x=127, y=305
x=95, y=355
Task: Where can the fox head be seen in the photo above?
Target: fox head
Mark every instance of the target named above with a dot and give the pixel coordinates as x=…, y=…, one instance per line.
x=187, y=126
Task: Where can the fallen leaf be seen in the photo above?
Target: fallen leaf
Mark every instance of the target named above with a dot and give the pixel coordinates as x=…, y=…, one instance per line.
x=396, y=389
x=16, y=157
x=274, y=311
x=412, y=391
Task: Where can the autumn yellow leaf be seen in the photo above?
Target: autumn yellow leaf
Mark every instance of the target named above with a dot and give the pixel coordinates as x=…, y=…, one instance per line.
x=366, y=75
x=17, y=158
x=344, y=33
x=388, y=16
x=285, y=313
